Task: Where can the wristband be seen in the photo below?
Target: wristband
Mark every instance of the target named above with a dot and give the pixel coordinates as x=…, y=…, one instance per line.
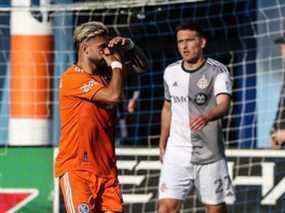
x=116, y=65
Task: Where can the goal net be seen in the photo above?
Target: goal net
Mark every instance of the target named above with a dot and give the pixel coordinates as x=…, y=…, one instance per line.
x=241, y=35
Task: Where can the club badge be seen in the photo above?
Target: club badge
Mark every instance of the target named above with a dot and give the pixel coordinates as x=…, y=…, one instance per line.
x=200, y=98
x=83, y=208
x=203, y=82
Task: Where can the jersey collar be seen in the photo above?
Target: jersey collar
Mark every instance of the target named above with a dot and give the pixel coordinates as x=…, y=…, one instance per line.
x=194, y=70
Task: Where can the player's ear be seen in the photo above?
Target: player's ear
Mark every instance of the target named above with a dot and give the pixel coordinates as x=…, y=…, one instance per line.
x=84, y=48
x=203, y=42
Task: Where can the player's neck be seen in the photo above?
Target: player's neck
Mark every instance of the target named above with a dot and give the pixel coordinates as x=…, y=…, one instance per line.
x=193, y=65
x=87, y=66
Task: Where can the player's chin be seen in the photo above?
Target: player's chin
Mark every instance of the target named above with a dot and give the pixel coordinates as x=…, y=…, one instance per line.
x=191, y=60
x=190, y=57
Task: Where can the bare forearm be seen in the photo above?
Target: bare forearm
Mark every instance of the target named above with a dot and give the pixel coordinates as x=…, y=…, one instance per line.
x=165, y=126
x=222, y=107
x=113, y=91
x=217, y=112
x=116, y=83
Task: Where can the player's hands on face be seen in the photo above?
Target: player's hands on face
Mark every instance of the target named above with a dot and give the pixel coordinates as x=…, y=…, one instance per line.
x=118, y=41
x=110, y=57
x=198, y=123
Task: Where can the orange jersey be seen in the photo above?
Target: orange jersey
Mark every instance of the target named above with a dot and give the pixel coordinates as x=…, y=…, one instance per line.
x=87, y=128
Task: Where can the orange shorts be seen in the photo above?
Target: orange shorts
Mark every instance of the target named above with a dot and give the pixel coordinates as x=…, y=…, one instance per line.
x=84, y=192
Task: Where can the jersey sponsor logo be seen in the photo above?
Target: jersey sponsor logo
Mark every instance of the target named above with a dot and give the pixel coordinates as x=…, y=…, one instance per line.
x=180, y=99
x=83, y=208
x=200, y=98
x=203, y=82
x=87, y=87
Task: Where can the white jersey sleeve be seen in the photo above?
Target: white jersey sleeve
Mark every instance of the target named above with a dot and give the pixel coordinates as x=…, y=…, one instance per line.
x=167, y=95
x=223, y=84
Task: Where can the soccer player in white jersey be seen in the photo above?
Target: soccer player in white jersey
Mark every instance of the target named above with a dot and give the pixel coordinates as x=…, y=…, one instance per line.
x=197, y=95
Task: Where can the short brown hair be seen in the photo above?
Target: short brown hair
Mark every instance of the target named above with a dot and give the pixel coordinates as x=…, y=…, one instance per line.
x=190, y=26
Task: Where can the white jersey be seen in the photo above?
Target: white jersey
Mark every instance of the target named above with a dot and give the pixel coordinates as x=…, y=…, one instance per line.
x=192, y=93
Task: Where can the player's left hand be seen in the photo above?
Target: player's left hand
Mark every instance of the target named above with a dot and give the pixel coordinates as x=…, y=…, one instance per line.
x=198, y=123
x=119, y=41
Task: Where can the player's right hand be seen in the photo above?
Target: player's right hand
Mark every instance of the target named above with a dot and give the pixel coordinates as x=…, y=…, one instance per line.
x=110, y=57
x=198, y=123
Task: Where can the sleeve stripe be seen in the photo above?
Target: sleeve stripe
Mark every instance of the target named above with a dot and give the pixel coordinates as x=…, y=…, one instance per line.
x=224, y=93
x=221, y=67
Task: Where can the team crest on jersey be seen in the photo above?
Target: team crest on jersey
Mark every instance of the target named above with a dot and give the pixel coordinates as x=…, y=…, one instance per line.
x=87, y=87
x=203, y=82
x=200, y=98
x=83, y=208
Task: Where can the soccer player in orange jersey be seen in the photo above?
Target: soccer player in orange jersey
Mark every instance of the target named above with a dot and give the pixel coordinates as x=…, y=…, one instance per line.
x=89, y=91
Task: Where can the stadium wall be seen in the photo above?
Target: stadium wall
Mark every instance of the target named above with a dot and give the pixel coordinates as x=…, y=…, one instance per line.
x=258, y=176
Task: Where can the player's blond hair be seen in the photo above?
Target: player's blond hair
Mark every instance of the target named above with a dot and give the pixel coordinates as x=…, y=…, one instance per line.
x=88, y=30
